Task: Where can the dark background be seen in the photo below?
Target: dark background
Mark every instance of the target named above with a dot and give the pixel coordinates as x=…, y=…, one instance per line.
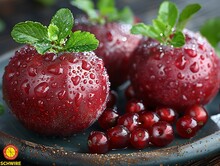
x=14, y=11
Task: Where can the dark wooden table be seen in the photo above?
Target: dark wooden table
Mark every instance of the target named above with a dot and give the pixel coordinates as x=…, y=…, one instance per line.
x=14, y=11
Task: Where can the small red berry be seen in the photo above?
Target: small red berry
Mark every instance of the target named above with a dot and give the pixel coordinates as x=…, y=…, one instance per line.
x=147, y=119
x=166, y=114
x=199, y=113
x=129, y=120
x=161, y=134
x=129, y=92
x=186, y=126
x=98, y=142
x=134, y=106
x=118, y=137
x=112, y=99
x=139, y=138
x=108, y=118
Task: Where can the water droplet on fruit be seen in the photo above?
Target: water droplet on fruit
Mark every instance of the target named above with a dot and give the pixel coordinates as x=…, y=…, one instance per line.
x=92, y=76
x=199, y=85
x=202, y=57
x=76, y=80
x=91, y=95
x=90, y=82
x=194, y=67
x=82, y=88
x=41, y=90
x=180, y=76
x=54, y=85
x=55, y=69
x=10, y=75
x=208, y=65
x=152, y=77
x=109, y=36
x=40, y=103
x=85, y=65
x=78, y=99
x=32, y=71
x=184, y=97
x=181, y=62
x=61, y=94
x=190, y=52
x=25, y=86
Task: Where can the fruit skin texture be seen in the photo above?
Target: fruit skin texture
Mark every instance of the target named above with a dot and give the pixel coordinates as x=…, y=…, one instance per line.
x=55, y=95
x=115, y=48
x=175, y=77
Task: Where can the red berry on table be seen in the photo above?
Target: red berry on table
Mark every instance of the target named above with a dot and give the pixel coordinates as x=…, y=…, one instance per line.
x=112, y=99
x=134, y=106
x=98, y=142
x=129, y=92
x=147, y=119
x=174, y=69
x=186, y=126
x=161, y=134
x=129, y=120
x=59, y=86
x=118, y=137
x=166, y=114
x=108, y=118
x=116, y=41
x=139, y=138
x=199, y=113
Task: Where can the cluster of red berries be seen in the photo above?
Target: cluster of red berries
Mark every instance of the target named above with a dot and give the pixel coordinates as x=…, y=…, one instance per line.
x=139, y=128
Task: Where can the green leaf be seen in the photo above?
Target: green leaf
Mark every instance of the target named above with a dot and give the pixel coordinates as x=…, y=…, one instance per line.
x=53, y=32
x=43, y=46
x=81, y=41
x=178, y=39
x=186, y=14
x=63, y=19
x=145, y=30
x=126, y=15
x=159, y=26
x=29, y=32
x=140, y=29
x=211, y=30
x=168, y=13
x=87, y=6
x=2, y=110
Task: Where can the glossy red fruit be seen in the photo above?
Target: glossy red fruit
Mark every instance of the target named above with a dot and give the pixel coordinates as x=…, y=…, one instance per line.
x=108, y=118
x=129, y=92
x=147, y=119
x=118, y=137
x=166, y=114
x=186, y=126
x=98, y=142
x=177, y=78
x=161, y=134
x=129, y=120
x=139, y=138
x=115, y=48
x=199, y=113
x=112, y=99
x=134, y=106
x=55, y=95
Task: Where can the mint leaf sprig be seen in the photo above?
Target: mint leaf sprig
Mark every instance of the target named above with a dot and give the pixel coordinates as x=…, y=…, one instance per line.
x=211, y=30
x=167, y=27
x=104, y=11
x=57, y=37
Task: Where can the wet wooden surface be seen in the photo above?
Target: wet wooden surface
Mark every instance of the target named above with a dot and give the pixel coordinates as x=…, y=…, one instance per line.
x=14, y=11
